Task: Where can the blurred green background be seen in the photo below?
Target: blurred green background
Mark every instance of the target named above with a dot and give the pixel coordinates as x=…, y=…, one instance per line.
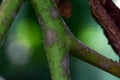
x=22, y=56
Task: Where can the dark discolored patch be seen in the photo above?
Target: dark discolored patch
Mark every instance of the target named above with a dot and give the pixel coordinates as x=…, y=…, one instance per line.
x=54, y=13
x=4, y=1
x=5, y=21
x=13, y=14
x=53, y=0
x=51, y=37
x=103, y=1
x=65, y=64
x=105, y=64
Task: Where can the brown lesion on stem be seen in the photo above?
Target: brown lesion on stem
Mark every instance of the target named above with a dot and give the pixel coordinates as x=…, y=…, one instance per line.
x=54, y=13
x=4, y=1
x=13, y=14
x=107, y=14
x=51, y=37
x=65, y=64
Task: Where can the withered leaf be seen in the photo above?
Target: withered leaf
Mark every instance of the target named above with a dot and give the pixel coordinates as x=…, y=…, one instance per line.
x=107, y=14
x=113, y=11
x=64, y=7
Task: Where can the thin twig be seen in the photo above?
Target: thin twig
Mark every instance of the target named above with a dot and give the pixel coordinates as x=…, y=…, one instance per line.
x=8, y=12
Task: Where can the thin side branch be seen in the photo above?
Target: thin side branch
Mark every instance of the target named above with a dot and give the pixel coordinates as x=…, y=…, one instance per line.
x=8, y=11
x=90, y=56
x=58, y=40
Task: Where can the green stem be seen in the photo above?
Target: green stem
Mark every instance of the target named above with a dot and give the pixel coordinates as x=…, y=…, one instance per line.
x=8, y=11
x=90, y=56
x=59, y=41
x=56, y=39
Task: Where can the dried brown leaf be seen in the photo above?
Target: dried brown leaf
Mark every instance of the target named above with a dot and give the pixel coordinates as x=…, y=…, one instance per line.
x=64, y=7
x=107, y=14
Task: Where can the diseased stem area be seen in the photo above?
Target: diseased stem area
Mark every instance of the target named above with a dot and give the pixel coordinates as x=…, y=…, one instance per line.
x=56, y=45
x=58, y=40
x=64, y=42
x=8, y=12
